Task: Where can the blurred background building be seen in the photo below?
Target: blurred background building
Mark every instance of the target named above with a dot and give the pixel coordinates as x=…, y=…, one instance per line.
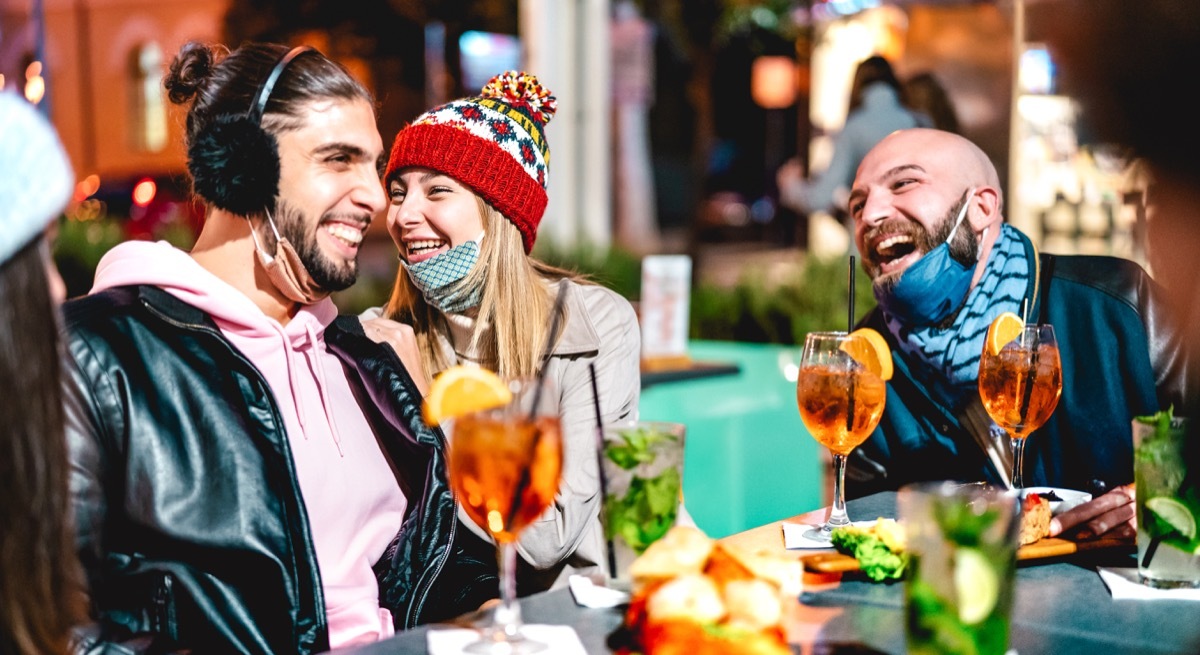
x=674, y=116
x=674, y=113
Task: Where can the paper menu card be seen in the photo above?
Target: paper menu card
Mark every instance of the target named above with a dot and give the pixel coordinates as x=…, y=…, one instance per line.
x=664, y=307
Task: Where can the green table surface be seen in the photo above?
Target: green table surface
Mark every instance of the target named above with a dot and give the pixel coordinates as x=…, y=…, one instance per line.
x=748, y=459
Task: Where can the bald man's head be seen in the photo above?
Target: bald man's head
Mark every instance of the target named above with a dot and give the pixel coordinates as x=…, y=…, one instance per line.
x=957, y=154
x=908, y=194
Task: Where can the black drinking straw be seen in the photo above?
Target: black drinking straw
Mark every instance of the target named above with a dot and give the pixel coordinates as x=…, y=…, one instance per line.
x=551, y=337
x=850, y=314
x=1043, y=291
x=612, y=555
x=849, y=329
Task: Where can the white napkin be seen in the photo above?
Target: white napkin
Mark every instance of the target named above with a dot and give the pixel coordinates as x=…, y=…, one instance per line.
x=559, y=639
x=594, y=592
x=1123, y=584
x=793, y=535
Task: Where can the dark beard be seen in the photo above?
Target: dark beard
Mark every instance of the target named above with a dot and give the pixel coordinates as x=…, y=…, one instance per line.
x=293, y=226
x=964, y=248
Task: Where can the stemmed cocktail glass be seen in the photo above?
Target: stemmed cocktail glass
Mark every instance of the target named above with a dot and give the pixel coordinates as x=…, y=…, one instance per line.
x=505, y=465
x=841, y=401
x=1020, y=380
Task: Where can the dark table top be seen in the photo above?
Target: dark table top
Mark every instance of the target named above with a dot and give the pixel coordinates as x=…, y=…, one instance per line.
x=1061, y=607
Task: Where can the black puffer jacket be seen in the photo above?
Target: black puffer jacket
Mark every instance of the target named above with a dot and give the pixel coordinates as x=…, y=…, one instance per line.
x=190, y=520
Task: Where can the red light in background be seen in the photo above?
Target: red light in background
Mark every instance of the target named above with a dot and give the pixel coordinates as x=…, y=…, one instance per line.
x=87, y=187
x=144, y=191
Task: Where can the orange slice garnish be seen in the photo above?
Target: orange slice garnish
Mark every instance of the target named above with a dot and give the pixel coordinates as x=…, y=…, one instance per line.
x=868, y=347
x=461, y=390
x=1002, y=331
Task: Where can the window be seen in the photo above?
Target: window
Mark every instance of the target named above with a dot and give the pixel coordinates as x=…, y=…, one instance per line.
x=148, y=112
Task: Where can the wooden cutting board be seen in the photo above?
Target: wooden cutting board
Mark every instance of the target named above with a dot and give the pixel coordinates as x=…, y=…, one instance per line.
x=1048, y=547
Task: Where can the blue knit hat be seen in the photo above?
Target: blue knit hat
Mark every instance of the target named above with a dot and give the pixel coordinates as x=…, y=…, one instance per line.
x=36, y=179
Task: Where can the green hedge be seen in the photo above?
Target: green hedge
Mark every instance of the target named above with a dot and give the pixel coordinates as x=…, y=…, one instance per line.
x=753, y=310
x=813, y=299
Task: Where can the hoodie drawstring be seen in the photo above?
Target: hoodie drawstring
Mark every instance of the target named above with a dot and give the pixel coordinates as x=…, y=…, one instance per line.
x=322, y=388
x=308, y=346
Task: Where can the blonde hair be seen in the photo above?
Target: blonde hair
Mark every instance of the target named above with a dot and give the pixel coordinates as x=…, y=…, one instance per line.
x=515, y=305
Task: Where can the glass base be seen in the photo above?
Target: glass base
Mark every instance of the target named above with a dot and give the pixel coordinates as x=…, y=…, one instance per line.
x=498, y=642
x=1159, y=583
x=822, y=533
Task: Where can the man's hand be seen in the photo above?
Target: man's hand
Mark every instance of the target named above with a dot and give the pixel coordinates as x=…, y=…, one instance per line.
x=1112, y=515
x=403, y=340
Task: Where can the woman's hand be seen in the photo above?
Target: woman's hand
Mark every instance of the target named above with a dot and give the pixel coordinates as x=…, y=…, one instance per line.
x=1112, y=515
x=403, y=340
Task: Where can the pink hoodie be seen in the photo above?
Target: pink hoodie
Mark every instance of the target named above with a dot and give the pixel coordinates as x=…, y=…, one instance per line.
x=354, y=503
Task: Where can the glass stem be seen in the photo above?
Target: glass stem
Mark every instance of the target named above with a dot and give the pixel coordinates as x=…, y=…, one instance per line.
x=837, y=515
x=507, y=617
x=1018, y=448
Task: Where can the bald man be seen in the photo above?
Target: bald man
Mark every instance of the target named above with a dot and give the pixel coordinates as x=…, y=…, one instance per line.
x=928, y=217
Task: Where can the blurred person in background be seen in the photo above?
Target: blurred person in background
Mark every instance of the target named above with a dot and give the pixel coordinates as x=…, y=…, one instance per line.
x=926, y=95
x=41, y=585
x=877, y=108
x=467, y=183
x=1121, y=61
x=250, y=471
x=939, y=291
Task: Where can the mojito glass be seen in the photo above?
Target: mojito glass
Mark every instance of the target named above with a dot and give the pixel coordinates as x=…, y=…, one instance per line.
x=962, y=545
x=643, y=479
x=1168, y=503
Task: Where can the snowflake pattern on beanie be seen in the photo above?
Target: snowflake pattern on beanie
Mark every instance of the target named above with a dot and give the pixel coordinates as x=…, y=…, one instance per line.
x=493, y=143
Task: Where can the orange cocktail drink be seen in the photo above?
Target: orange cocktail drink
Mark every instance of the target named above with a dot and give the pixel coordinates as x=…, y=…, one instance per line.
x=827, y=395
x=1020, y=380
x=841, y=392
x=505, y=469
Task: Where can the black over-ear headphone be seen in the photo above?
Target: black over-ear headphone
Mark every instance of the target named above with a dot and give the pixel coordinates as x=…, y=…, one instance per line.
x=234, y=162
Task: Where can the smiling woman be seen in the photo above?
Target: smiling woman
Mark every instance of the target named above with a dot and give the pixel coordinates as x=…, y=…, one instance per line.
x=467, y=187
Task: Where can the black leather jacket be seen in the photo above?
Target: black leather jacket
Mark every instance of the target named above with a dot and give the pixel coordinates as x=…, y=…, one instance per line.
x=190, y=520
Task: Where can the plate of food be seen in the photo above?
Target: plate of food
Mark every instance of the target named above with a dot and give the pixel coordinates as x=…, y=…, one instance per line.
x=1060, y=499
x=878, y=550
x=694, y=595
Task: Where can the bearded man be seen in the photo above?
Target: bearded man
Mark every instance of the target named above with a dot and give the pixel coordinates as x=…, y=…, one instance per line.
x=250, y=471
x=927, y=210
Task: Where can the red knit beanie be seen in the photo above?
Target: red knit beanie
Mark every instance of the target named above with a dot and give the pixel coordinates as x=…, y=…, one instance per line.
x=492, y=143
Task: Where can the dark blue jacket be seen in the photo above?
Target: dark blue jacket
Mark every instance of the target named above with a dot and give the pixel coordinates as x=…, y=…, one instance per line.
x=1121, y=356
x=190, y=521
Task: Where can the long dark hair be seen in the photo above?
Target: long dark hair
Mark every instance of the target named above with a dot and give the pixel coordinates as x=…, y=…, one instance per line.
x=41, y=591
x=871, y=70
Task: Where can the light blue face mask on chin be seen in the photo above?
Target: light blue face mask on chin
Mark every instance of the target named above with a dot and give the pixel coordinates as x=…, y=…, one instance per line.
x=934, y=287
x=440, y=278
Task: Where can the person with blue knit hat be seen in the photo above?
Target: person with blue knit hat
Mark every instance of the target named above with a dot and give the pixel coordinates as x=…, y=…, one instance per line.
x=467, y=186
x=40, y=579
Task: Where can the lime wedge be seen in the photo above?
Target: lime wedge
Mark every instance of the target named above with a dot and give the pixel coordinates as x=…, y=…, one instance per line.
x=976, y=584
x=1176, y=513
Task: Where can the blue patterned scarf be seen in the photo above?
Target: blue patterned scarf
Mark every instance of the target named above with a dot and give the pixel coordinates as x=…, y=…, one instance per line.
x=948, y=359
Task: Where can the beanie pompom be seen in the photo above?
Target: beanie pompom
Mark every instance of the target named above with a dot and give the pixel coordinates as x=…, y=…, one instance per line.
x=523, y=91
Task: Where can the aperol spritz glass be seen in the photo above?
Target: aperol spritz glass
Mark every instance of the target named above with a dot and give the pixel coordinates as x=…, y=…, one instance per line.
x=505, y=464
x=1020, y=383
x=841, y=402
